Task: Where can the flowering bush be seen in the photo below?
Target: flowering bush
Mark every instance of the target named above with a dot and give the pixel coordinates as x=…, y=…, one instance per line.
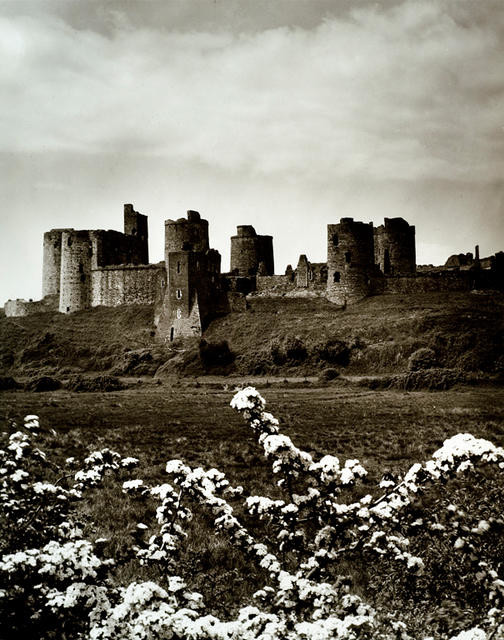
x=414, y=535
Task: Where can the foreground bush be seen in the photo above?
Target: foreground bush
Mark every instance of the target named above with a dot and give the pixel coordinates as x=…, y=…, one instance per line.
x=423, y=358
x=420, y=537
x=94, y=383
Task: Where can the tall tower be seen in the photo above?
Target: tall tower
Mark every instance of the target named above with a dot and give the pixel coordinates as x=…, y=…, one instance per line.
x=75, y=281
x=136, y=225
x=350, y=260
x=394, y=247
x=51, y=269
x=248, y=251
x=193, y=278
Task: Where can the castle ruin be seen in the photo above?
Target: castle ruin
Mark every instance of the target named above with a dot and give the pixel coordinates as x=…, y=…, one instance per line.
x=84, y=269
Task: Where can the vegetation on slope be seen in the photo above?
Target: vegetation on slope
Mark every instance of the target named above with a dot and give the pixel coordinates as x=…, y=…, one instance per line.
x=275, y=336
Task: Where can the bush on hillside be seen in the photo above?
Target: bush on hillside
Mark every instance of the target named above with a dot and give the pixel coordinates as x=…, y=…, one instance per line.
x=215, y=354
x=423, y=358
x=8, y=382
x=291, y=350
x=328, y=374
x=43, y=383
x=422, y=380
x=334, y=351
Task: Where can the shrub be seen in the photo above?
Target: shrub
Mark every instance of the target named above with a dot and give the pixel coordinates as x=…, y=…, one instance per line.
x=94, y=383
x=215, y=354
x=295, y=349
x=334, y=351
x=423, y=358
x=432, y=537
x=328, y=374
x=43, y=383
x=8, y=382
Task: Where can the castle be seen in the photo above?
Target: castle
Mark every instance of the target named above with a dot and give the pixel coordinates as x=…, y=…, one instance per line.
x=83, y=269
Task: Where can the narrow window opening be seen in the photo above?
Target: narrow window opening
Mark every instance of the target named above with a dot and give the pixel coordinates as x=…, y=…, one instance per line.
x=336, y=276
x=81, y=267
x=69, y=241
x=348, y=257
x=179, y=294
x=83, y=277
x=386, y=262
x=335, y=240
x=178, y=267
x=68, y=309
x=171, y=334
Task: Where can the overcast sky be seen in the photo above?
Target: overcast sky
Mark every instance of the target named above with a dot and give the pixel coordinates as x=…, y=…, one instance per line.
x=284, y=114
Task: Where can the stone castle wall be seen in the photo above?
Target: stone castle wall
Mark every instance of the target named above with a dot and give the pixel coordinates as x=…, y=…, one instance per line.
x=127, y=284
x=20, y=307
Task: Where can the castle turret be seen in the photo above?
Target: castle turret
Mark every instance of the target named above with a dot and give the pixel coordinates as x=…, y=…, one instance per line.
x=51, y=267
x=394, y=247
x=350, y=260
x=189, y=234
x=248, y=251
x=75, y=282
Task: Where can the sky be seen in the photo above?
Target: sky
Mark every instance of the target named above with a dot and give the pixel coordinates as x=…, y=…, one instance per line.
x=284, y=114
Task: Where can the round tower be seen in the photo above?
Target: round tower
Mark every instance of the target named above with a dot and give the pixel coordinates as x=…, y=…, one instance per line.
x=52, y=262
x=394, y=247
x=245, y=251
x=350, y=260
x=75, y=282
x=186, y=235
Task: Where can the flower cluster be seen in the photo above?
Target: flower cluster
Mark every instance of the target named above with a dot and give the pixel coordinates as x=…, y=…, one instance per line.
x=299, y=542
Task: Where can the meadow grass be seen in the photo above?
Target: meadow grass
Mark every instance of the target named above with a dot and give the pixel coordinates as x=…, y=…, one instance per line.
x=386, y=430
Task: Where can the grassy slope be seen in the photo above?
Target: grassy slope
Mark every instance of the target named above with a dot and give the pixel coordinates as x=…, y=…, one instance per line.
x=87, y=340
x=465, y=331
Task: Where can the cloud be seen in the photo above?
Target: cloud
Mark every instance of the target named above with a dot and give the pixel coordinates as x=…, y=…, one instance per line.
x=411, y=91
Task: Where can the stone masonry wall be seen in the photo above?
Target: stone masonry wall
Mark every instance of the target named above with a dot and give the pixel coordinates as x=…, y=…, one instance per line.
x=20, y=307
x=127, y=284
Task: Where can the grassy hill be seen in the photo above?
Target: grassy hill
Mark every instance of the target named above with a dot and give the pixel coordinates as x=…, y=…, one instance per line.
x=275, y=336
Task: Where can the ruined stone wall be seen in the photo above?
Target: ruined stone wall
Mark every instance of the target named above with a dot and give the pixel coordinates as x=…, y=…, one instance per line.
x=189, y=234
x=274, y=285
x=310, y=275
x=20, y=307
x=51, y=266
x=427, y=282
x=136, y=225
x=394, y=247
x=114, y=247
x=127, y=284
x=265, y=254
x=350, y=260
